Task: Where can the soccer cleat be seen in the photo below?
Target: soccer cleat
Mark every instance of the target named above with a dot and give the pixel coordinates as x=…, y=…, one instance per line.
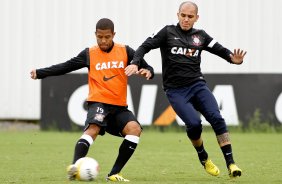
x=116, y=178
x=211, y=168
x=234, y=171
x=71, y=172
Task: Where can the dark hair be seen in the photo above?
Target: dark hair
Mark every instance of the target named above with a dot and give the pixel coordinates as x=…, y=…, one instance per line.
x=105, y=23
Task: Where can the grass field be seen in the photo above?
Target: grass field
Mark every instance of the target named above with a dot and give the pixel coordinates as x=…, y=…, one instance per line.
x=35, y=157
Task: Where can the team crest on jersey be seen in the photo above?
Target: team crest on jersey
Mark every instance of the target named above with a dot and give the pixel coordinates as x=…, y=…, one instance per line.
x=196, y=40
x=99, y=117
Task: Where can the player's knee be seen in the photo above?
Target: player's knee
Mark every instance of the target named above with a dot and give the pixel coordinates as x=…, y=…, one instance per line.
x=136, y=129
x=194, y=132
x=132, y=128
x=92, y=130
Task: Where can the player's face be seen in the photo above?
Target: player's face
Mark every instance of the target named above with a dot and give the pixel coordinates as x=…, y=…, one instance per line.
x=187, y=16
x=104, y=38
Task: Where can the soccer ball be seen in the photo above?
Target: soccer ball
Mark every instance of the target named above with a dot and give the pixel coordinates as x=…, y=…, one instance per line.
x=87, y=169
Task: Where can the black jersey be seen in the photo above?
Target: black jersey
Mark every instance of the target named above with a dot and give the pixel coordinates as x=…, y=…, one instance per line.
x=181, y=53
x=82, y=60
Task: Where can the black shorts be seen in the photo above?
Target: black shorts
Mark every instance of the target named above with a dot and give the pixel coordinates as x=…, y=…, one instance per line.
x=110, y=118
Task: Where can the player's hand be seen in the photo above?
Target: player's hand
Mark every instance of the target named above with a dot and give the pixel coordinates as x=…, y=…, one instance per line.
x=144, y=72
x=33, y=74
x=131, y=69
x=238, y=56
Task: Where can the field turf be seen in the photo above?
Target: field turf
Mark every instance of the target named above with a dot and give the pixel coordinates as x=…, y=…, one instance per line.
x=35, y=157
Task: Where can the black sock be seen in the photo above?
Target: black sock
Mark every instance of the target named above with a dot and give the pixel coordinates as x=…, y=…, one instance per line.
x=81, y=149
x=227, y=152
x=126, y=149
x=202, y=154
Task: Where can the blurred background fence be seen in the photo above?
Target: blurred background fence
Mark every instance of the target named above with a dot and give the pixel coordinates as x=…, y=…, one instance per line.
x=39, y=33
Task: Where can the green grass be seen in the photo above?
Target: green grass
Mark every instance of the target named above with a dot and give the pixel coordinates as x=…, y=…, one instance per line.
x=166, y=158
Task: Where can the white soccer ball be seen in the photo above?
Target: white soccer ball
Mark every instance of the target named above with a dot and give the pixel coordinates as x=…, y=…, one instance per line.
x=87, y=169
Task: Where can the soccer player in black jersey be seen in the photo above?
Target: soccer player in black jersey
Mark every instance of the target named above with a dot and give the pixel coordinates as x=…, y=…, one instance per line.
x=181, y=46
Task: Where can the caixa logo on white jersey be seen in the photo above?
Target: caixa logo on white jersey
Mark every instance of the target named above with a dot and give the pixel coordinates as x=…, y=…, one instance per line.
x=185, y=51
x=109, y=65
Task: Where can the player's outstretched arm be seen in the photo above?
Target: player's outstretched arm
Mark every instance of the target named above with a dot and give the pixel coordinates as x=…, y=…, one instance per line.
x=238, y=56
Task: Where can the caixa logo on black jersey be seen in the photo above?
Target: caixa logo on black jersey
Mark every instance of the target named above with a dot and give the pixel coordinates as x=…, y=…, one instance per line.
x=185, y=51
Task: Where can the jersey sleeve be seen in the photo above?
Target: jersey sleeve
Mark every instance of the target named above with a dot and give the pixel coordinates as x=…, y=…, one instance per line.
x=75, y=63
x=130, y=53
x=142, y=64
x=212, y=46
x=152, y=42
